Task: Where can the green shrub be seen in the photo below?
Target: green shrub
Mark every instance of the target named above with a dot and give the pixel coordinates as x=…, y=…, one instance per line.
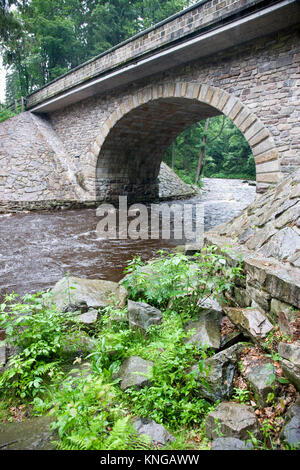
x=176, y=276
x=89, y=417
x=38, y=332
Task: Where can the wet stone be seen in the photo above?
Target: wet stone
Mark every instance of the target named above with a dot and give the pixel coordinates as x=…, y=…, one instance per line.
x=94, y=293
x=3, y=356
x=88, y=318
x=291, y=361
x=282, y=245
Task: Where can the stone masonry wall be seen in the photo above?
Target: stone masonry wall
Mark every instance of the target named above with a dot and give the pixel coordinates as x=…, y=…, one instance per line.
x=31, y=165
x=202, y=14
x=36, y=172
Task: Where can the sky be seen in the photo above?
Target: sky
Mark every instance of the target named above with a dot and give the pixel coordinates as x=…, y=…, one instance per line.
x=2, y=81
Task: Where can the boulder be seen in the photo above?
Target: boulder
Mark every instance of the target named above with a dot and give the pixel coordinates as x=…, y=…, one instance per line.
x=95, y=293
x=88, y=318
x=291, y=372
x=291, y=361
x=134, y=373
x=207, y=329
x=262, y=380
x=252, y=322
x=216, y=381
x=158, y=434
x=231, y=419
x=291, y=430
x=230, y=443
x=142, y=315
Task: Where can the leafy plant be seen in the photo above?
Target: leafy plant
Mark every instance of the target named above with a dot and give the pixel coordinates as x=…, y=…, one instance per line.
x=38, y=333
x=241, y=395
x=181, y=278
x=88, y=416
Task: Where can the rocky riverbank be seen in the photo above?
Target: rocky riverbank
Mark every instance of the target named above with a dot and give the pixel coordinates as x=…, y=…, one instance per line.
x=208, y=344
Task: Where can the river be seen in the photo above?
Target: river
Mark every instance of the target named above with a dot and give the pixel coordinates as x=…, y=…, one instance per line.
x=39, y=248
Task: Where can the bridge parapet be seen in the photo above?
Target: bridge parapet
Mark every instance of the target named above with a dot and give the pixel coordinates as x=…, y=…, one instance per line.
x=189, y=22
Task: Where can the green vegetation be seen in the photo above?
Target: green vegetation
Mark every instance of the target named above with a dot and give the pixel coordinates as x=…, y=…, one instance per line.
x=5, y=113
x=90, y=411
x=43, y=39
x=227, y=153
x=177, y=277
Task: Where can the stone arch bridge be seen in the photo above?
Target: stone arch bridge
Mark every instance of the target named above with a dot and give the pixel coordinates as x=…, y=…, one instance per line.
x=101, y=130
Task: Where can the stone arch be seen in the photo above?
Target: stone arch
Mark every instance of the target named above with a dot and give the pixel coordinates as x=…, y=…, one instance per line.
x=213, y=100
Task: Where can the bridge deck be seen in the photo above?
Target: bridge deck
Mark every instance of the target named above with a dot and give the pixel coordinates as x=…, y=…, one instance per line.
x=202, y=29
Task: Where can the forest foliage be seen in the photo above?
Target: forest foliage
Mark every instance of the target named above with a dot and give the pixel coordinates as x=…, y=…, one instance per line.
x=43, y=39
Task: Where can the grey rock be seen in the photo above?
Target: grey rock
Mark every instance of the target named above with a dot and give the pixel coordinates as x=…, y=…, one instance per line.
x=158, y=433
x=216, y=381
x=291, y=430
x=88, y=318
x=142, y=315
x=291, y=372
x=282, y=315
x=282, y=245
x=231, y=420
x=207, y=329
x=251, y=321
x=291, y=362
x=3, y=356
x=193, y=248
x=295, y=259
x=94, y=293
x=262, y=380
x=211, y=304
x=290, y=351
x=260, y=237
x=134, y=373
x=230, y=443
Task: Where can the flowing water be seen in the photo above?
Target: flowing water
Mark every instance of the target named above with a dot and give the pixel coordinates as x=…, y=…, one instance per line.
x=39, y=248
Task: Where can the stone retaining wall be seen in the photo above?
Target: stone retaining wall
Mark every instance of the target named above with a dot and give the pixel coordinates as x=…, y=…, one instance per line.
x=37, y=174
x=266, y=238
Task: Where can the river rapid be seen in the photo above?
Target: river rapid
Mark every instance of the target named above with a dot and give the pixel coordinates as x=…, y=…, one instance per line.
x=39, y=248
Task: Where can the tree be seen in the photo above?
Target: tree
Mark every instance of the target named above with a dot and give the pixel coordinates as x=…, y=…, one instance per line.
x=55, y=36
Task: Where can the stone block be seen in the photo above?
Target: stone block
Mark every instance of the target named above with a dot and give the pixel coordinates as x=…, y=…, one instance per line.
x=231, y=420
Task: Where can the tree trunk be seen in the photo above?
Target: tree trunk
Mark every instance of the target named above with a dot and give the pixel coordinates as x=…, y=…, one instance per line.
x=202, y=152
x=173, y=154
